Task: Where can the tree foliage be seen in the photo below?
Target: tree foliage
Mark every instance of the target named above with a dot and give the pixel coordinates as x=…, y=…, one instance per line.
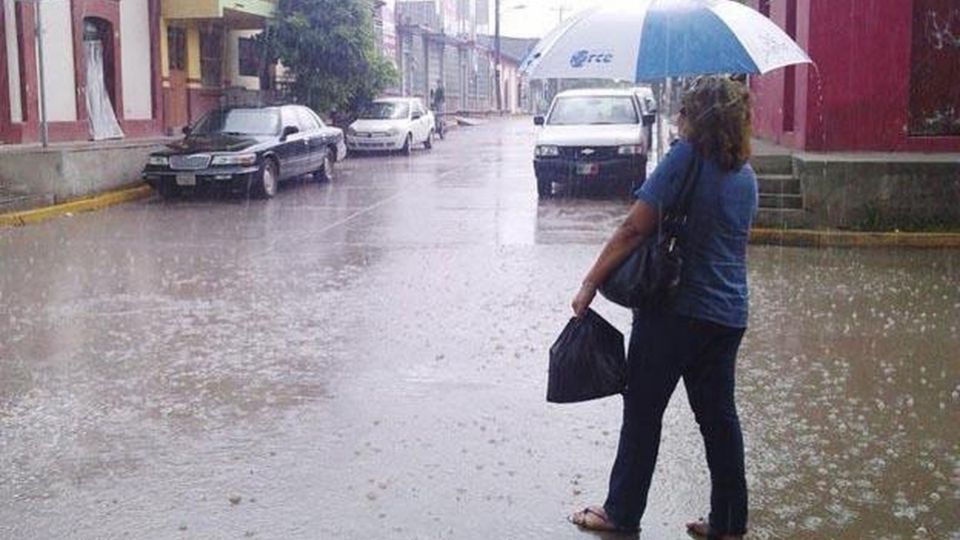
x=329, y=52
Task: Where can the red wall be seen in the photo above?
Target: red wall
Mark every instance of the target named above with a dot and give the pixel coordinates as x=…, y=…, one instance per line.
x=858, y=97
x=28, y=131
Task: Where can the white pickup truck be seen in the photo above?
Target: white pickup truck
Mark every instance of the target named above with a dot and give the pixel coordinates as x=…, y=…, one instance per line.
x=593, y=137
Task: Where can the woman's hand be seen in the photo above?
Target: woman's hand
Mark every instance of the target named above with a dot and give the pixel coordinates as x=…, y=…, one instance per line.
x=583, y=298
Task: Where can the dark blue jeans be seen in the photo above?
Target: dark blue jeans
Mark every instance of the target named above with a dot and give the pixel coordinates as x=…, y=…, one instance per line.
x=663, y=348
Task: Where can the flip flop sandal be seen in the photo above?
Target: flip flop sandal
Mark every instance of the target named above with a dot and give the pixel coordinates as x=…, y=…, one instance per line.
x=608, y=525
x=710, y=534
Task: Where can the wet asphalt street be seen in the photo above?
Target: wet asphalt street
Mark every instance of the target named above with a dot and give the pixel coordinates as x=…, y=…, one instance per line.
x=367, y=359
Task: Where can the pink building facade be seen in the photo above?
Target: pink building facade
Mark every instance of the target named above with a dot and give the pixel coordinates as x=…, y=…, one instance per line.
x=887, y=77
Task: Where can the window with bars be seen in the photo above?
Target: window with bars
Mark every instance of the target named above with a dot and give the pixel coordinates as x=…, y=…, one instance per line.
x=249, y=57
x=211, y=56
x=177, y=48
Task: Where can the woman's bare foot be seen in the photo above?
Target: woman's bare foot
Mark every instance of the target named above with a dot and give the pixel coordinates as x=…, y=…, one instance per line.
x=702, y=529
x=594, y=518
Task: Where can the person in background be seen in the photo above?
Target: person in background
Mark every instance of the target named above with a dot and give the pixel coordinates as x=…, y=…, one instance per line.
x=437, y=101
x=696, y=335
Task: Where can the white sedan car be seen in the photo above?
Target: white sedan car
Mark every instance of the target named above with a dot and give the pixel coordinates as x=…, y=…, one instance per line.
x=392, y=124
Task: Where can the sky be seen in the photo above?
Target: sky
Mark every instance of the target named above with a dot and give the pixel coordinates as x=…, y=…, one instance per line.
x=534, y=18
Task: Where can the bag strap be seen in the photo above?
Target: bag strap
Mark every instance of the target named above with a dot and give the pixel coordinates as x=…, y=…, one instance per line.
x=694, y=168
x=683, y=199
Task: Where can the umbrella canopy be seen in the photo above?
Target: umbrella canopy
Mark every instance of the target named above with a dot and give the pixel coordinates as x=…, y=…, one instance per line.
x=643, y=40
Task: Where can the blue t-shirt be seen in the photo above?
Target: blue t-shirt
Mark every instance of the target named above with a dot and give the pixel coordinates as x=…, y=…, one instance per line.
x=713, y=282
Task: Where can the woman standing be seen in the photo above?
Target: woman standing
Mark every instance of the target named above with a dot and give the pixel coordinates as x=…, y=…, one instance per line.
x=696, y=335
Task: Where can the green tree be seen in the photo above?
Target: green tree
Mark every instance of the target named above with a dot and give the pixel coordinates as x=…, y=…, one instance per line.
x=328, y=48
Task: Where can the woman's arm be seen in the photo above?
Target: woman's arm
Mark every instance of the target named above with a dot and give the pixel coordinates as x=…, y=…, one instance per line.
x=640, y=222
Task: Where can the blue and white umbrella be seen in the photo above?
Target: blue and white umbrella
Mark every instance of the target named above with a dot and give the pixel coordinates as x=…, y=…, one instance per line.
x=643, y=40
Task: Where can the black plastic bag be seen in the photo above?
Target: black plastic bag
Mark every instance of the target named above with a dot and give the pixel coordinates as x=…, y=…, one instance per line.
x=587, y=361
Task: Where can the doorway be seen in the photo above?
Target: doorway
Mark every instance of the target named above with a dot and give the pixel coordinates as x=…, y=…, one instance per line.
x=100, y=79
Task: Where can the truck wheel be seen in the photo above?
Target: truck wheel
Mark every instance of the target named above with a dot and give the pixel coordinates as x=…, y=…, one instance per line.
x=544, y=188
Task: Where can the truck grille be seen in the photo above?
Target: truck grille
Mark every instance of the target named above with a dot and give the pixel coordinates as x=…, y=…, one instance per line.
x=593, y=153
x=192, y=162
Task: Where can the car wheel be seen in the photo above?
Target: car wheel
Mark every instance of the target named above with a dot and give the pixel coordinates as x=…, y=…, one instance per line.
x=407, y=145
x=428, y=144
x=544, y=188
x=325, y=172
x=267, y=185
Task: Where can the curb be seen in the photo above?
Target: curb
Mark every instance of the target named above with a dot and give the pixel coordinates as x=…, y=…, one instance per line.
x=824, y=239
x=87, y=204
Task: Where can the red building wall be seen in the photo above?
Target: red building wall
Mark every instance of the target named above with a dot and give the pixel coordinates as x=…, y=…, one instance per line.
x=858, y=97
x=28, y=130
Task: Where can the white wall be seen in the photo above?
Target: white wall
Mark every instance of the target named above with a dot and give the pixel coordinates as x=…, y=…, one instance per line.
x=58, y=61
x=233, y=60
x=13, y=62
x=135, y=59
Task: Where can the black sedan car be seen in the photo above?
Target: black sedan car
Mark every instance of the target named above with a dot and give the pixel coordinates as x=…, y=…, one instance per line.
x=249, y=148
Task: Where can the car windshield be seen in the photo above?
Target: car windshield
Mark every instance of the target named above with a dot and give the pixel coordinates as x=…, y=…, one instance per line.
x=594, y=110
x=386, y=110
x=238, y=122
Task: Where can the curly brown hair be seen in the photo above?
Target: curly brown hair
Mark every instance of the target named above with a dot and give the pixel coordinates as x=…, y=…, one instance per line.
x=717, y=120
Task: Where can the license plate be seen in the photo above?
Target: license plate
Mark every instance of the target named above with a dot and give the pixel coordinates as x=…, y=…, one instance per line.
x=588, y=169
x=186, y=179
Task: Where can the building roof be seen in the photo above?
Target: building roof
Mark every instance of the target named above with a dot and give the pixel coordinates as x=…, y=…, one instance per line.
x=515, y=49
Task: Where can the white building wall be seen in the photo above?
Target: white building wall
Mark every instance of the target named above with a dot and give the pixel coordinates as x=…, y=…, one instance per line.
x=60, y=83
x=135, y=60
x=13, y=62
x=233, y=60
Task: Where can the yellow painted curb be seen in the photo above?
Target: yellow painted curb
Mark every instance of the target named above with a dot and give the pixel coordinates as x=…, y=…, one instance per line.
x=87, y=204
x=822, y=239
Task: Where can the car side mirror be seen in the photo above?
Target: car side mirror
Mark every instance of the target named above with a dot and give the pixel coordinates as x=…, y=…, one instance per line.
x=288, y=131
x=186, y=130
x=649, y=119
x=416, y=116
x=538, y=120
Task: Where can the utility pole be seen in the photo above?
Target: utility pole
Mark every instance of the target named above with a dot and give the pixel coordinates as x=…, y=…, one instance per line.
x=496, y=45
x=560, y=11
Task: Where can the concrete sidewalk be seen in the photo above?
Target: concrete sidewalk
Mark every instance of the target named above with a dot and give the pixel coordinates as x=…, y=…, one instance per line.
x=880, y=191
x=32, y=176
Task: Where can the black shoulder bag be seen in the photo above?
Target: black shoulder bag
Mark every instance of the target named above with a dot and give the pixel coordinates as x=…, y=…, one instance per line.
x=651, y=274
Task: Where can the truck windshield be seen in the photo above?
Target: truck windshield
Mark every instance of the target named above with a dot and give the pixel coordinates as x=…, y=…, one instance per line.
x=593, y=110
